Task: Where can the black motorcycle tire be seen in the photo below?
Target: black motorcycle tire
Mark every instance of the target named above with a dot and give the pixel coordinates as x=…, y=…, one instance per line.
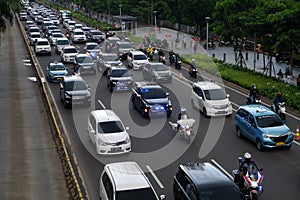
x=254, y=196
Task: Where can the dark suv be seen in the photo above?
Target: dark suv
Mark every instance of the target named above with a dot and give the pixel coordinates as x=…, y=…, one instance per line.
x=74, y=90
x=199, y=181
x=150, y=98
x=119, y=79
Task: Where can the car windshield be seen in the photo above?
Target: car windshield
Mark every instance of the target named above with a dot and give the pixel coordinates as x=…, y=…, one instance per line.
x=56, y=67
x=110, y=58
x=144, y=193
x=110, y=127
x=75, y=85
x=120, y=73
x=159, y=67
x=93, y=47
x=42, y=43
x=140, y=57
x=153, y=93
x=63, y=42
x=70, y=50
x=78, y=33
x=85, y=59
x=269, y=121
x=215, y=94
x=96, y=33
x=231, y=193
x=125, y=46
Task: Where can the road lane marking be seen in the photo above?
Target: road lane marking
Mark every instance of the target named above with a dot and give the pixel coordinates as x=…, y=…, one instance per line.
x=296, y=143
x=155, y=177
x=221, y=168
x=101, y=104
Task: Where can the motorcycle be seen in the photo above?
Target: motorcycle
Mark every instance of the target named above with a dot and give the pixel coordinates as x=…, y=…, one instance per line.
x=193, y=71
x=253, y=100
x=185, y=128
x=211, y=45
x=224, y=44
x=250, y=182
x=162, y=59
x=280, y=110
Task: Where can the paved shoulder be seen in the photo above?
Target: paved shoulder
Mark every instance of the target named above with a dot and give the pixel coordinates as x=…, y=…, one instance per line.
x=29, y=165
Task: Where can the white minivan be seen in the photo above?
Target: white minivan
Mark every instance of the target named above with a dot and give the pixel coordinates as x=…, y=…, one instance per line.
x=125, y=180
x=211, y=99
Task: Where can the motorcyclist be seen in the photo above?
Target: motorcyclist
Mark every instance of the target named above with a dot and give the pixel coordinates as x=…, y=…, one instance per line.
x=193, y=69
x=245, y=166
x=278, y=99
x=150, y=51
x=161, y=54
x=254, y=93
x=182, y=116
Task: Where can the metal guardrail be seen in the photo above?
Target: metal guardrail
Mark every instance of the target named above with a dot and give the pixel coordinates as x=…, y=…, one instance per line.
x=66, y=157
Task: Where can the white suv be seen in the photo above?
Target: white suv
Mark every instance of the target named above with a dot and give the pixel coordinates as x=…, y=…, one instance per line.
x=125, y=180
x=78, y=35
x=108, y=133
x=136, y=59
x=42, y=46
x=68, y=54
x=211, y=99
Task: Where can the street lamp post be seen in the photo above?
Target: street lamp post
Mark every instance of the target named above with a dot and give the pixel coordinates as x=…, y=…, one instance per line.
x=207, y=20
x=155, y=18
x=120, y=6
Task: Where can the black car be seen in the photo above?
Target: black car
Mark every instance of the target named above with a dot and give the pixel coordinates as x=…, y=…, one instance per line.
x=119, y=79
x=199, y=181
x=157, y=72
x=74, y=91
x=151, y=99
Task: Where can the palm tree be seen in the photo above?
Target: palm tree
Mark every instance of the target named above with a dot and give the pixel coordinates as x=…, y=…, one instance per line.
x=7, y=10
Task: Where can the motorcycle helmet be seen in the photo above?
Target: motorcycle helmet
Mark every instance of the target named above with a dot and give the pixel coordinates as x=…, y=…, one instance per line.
x=247, y=156
x=253, y=86
x=279, y=94
x=183, y=111
x=193, y=60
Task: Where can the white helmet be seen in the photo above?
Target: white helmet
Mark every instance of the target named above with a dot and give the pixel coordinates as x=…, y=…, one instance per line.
x=247, y=156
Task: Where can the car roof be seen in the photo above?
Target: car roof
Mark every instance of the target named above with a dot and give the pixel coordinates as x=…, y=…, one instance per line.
x=127, y=176
x=206, y=176
x=91, y=43
x=257, y=109
x=42, y=39
x=56, y=63
x=147, y=84
x=105, y=115
x=137, y=52
x=82, y=55
x=207, y=85
x=73, y=78
x=70, y=47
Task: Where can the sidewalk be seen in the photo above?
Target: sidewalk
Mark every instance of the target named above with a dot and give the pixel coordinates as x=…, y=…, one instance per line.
x=30, y=167
x=171, y=35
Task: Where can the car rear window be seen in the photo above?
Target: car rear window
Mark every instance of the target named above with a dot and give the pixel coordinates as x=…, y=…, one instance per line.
x=231, y=193
x=42, y=43
x=153, y=93
x=144, y=193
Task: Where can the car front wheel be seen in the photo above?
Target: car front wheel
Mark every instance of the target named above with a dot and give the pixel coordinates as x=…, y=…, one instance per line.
x=259, y=145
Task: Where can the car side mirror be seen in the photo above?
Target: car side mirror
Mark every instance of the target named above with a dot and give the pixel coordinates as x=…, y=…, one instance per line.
x=227, y=95
x=203, y=97
x=126, y=128
x=167, y=94
x=261, y=169
x=162, y=197
x=93, y=132
x=138, y=96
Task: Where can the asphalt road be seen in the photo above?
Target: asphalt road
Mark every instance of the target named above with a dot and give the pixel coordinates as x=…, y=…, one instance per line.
x=155, y=147
x=29, y=164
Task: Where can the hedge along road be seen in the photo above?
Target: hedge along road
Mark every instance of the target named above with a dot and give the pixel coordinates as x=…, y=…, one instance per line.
x=30, y=167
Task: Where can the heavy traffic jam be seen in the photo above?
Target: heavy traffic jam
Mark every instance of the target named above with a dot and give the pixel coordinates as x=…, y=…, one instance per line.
x=77, y=52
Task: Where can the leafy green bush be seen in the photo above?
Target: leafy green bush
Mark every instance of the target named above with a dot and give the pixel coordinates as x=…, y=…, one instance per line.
x=268, y=86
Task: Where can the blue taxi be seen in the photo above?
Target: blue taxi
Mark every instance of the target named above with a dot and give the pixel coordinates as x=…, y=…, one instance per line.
x=56, y=71
x=262, y=126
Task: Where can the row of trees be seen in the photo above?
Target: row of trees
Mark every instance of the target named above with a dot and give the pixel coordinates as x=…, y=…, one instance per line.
x=272, y=23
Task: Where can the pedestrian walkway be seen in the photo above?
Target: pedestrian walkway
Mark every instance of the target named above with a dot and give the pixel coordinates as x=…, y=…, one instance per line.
x=29, y=164
x=256, y=64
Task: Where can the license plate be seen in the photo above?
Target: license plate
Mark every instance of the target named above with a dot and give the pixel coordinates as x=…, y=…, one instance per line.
x=59, y=78
x=280, y=143
x=115, y=149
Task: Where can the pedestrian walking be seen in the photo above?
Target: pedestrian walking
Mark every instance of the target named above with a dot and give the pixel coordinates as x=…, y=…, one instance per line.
x=184, y=41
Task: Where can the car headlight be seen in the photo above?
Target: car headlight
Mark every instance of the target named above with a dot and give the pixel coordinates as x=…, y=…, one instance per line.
x=266, y=135
x=100, y=142
x=127, y=140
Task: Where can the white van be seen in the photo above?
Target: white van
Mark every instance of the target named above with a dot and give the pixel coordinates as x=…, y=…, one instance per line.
x=125, y=180
x=211, y=99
